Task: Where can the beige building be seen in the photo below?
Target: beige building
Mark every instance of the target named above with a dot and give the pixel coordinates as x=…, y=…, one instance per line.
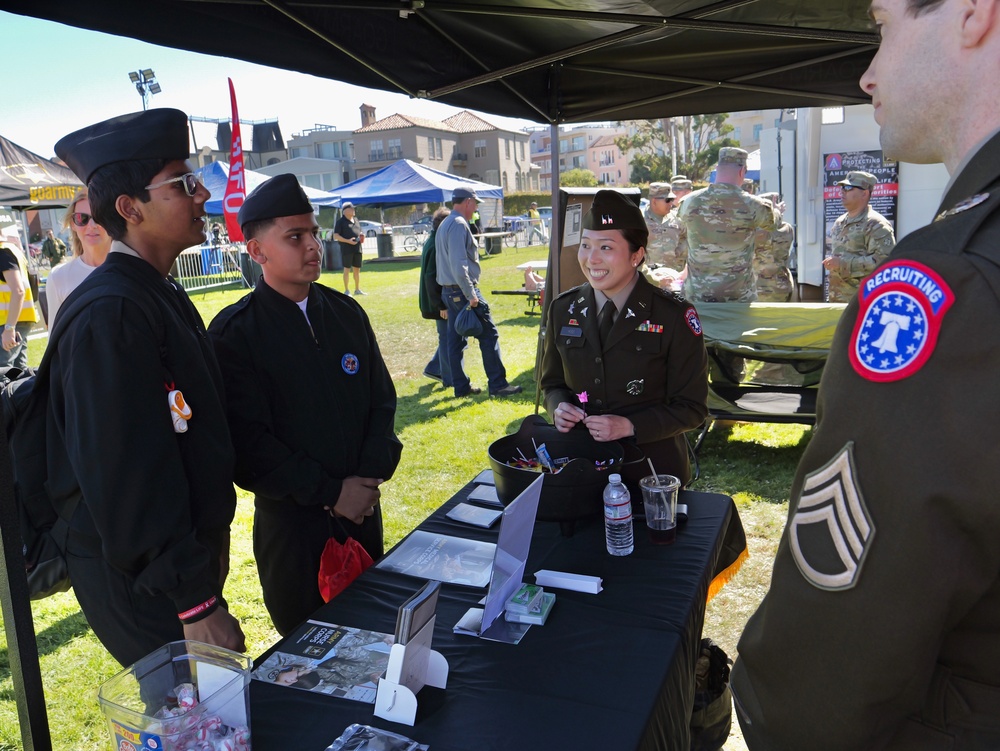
x=589, y=147
x=463, y=144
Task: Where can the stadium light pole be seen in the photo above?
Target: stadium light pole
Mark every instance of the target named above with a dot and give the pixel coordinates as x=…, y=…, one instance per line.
x=145, y=83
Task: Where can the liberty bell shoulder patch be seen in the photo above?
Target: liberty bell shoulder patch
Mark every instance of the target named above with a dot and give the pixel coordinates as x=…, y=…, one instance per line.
x=831, y=531
x=900, y=309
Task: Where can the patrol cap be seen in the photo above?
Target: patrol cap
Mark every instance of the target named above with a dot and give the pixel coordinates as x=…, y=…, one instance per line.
x=460, y=194
x=346, y=205
x=680, y=182
x=661, y=190
x=280, y=196
x=858, y=179
x=613, y=210
x=152, y=134
x=732, y=155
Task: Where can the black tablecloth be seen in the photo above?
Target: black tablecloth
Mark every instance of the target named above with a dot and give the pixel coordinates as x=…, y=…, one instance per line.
x=612, y=671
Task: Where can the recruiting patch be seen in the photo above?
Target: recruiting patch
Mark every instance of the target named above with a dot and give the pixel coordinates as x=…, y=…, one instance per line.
x=901, y=307
x=693, y=322
x=831, y=531
x=349, y=363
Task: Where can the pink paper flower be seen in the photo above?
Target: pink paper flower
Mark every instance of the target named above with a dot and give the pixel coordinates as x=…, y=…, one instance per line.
x=582, y=396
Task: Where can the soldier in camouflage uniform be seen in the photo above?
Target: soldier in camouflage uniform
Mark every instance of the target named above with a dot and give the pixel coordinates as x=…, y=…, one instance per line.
x=721, y=221
x=680, y=186
x=860, y=239
x=774, y=280
x=666, y=251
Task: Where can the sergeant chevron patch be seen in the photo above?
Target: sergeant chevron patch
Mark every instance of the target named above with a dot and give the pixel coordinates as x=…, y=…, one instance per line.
x=831, y=531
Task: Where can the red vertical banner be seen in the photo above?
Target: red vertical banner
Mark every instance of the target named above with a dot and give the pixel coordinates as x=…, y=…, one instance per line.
x=236, y=187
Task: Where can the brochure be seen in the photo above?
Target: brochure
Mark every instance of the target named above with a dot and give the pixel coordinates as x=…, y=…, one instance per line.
x=452, y=560
x=414, y=614
x=486, y=494
x=476, y=515
x=329, y=659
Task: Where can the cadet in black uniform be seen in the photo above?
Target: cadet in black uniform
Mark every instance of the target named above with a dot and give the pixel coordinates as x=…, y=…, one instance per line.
x=881, y=628
x=646, y=377
x=311, y=404
x=137, y=426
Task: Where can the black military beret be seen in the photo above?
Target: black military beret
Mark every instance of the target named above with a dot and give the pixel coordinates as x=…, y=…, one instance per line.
x=613, y=210
x=280, y=196
x=153, y=134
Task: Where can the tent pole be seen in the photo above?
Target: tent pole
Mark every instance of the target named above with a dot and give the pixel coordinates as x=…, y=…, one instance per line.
x=552, y=284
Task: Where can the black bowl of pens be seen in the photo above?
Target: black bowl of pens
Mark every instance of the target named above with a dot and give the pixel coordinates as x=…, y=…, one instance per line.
x=574, y=465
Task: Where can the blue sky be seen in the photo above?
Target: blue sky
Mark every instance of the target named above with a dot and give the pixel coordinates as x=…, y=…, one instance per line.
x=55, y=79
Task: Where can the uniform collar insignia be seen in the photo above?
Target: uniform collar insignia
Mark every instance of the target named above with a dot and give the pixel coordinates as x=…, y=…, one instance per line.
x=963, y=205
x=629, y=313
x=572, y=307
x=584, y=311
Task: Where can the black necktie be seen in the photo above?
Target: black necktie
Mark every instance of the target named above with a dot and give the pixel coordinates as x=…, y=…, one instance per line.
x=607, y=320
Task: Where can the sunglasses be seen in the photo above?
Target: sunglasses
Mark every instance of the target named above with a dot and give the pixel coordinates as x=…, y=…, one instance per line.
x=80, y=219
x=190, y=181
x=849, y=188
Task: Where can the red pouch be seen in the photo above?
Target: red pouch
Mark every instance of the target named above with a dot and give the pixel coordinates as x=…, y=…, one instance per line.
x=340, y=564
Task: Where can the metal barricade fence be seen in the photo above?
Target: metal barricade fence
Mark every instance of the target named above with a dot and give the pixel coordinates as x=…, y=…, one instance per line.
x=210, y=266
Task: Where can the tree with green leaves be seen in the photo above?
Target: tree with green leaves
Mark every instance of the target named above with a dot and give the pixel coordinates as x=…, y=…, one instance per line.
x=695, y=139
x=578, y=178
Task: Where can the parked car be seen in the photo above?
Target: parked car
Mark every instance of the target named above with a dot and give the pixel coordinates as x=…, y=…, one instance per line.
x=423, y=225
x=374, y=228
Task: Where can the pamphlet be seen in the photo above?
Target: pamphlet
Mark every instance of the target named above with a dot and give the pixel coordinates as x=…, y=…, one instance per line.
x=452, y=560
x=329, y=659
x=486, y=494
x=416, y=611
x=476, y=515
x=485, y=478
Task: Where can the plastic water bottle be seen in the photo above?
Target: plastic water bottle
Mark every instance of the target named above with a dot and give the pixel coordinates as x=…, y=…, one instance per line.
x=618, y=517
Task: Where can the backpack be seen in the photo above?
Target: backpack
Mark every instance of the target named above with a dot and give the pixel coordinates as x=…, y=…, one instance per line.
x=23, y=420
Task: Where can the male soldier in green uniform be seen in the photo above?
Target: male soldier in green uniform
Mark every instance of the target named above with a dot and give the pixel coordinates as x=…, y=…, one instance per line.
x=880, y=627
x=774, y=280
x=681, y=187
x=667, y=247
x=721, y=221
x=860, y=239
x=53, y=248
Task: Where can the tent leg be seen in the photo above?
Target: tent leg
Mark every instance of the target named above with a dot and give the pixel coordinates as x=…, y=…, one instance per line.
x=22, y=648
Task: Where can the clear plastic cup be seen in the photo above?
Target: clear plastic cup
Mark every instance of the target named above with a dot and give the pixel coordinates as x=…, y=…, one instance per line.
x=659, y=498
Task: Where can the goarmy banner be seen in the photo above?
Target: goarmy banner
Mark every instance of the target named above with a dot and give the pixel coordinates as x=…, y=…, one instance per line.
x=28, y=181
x=236, y=186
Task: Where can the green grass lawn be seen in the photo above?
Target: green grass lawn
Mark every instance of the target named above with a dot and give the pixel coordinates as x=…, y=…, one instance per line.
x=753, y=463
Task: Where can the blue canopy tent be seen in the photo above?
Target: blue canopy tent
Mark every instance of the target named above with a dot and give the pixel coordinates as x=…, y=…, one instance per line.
x=216, y=176
x=405, y=182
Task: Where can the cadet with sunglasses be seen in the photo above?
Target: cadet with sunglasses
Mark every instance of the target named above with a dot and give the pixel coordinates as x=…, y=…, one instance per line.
x=141, y=448
x=860, y=239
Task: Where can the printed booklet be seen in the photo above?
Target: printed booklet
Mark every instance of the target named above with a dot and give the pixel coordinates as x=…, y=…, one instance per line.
x=329, y=659
x=452, y=560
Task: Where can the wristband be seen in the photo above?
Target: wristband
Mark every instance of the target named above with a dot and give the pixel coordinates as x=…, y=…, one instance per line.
x=187, y=615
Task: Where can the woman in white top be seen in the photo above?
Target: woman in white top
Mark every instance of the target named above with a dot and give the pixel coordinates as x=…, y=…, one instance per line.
x=90, y=245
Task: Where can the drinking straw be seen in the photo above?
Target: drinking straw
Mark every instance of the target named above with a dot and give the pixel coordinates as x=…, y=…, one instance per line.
x=656, y=477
